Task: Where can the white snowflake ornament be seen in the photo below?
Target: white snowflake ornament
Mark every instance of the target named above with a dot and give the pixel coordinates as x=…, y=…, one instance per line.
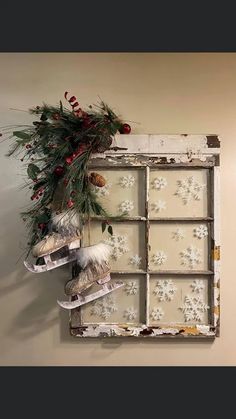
x=159, y=258
x=130, y=313
x=178, y=234
x=157, y=313
x=131, y=288
x=126, y=206
x=127, y=181
x=165, y=290
x=197, y=285
x=159, y=206
x=189, y=189
x=191, y=257
x=194, y=308
x=118, y=244
x=200, y=232
x=104, y=307
x=159, y=183
x=135, y=260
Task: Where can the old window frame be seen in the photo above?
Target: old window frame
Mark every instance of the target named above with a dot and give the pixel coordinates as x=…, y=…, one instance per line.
x=165, y=152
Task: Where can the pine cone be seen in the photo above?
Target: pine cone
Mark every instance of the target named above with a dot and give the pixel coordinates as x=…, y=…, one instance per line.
x=97, y=180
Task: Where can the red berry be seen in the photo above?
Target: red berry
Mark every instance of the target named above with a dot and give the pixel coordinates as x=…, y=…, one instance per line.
x=59, y=170
x=125, y=129
x=41, y=226
x=70, y=203
x=69, y=160
x=66, y=181
x=72, y=193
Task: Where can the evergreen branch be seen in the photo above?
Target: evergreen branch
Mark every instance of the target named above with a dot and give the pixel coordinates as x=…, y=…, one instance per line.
x=57, y=149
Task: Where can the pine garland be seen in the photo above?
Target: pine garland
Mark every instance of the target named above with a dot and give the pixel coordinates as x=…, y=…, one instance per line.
x=57, y=149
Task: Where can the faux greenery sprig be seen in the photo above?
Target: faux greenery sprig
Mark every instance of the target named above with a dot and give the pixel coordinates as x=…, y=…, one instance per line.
x=57, y=149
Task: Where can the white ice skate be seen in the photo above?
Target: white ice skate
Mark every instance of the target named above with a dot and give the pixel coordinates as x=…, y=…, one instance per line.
x=92, y=264
x=58, y=247
x=53, y=251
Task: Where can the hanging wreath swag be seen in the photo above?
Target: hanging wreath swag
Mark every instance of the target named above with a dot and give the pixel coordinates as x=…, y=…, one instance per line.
x=57, y=149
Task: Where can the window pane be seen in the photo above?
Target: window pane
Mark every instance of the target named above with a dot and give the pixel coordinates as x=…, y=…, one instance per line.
x=178, y=300
x=178, y=193
x=178, y=246
x=124, y=305
x=124, y=191
x=127, y=242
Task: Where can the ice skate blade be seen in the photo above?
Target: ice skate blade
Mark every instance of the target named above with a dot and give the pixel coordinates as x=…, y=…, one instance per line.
x=106, y=289
x=49, y=265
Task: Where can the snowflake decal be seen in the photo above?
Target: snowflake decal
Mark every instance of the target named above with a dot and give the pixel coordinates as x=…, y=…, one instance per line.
x=189, y=189
x=159, y=258
x=159, y=183
x=130, y=313
x=103, y=191
x=159, y=205
x=118, y=244
x=165, y=290
x=104, y=307
x=178, y=234
x=127, y=181
x=126, y=206
x=190, y=257
x=135, y=260
x=200, y=232
x=157, y=313
x=197, y=285
x=131, y=288
x=193, y=308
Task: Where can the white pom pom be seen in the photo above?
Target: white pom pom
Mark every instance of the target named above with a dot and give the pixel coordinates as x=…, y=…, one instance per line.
x=66, y=222
x=97, y=253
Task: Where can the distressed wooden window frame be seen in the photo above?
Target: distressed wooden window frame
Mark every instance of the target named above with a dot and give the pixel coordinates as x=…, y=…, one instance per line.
x=166, y=152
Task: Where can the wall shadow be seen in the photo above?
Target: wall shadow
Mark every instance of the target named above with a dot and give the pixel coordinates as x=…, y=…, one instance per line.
x=42, y=312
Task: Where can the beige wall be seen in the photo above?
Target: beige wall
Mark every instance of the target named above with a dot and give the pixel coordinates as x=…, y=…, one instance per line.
x=162, y=93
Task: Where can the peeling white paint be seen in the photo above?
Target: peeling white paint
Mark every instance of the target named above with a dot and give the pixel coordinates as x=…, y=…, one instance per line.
x=103, y=330
x=204, y=330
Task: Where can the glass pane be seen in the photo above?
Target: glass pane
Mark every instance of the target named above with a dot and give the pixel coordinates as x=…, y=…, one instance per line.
x=124, y=305
x=127, y=241
x=178, y=193
x=178, y=246
x=124, y=191
x=181, y=300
